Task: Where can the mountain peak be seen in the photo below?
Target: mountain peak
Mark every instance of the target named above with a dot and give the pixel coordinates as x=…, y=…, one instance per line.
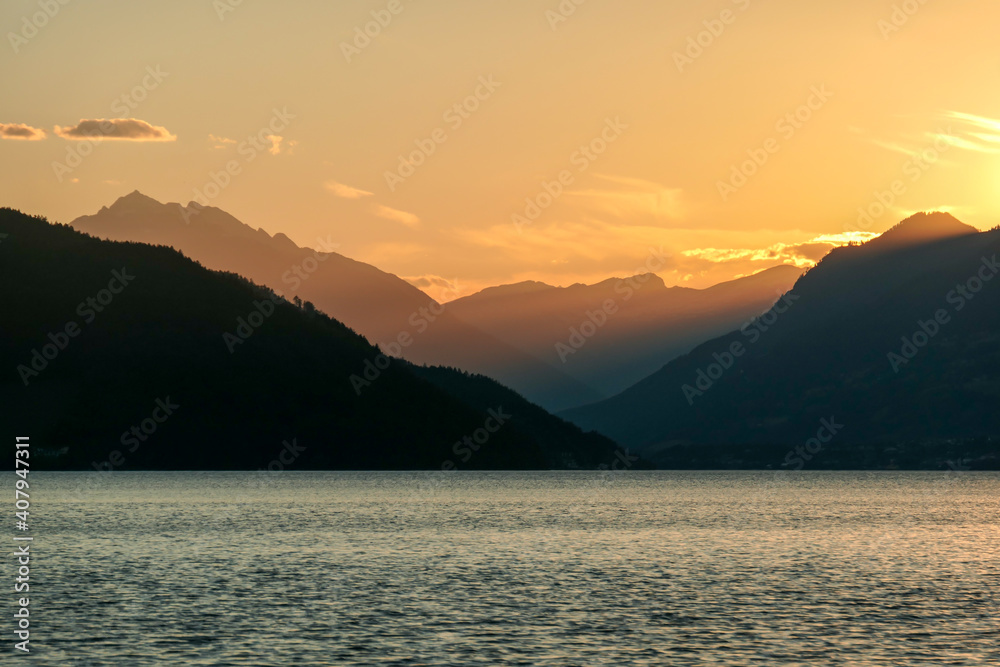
x=515, y=289
x=648, y=280
x=923, y=228
x=135, y=199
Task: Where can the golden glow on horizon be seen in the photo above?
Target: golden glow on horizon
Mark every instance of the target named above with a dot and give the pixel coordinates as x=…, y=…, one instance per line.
x=588, y=130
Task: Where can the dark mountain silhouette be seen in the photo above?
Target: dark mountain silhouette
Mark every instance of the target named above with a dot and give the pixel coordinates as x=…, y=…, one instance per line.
x=378, y=305
x=563, y=441
x=827, y=356
x=126, y=355
x=646, y=325
x=921, y=228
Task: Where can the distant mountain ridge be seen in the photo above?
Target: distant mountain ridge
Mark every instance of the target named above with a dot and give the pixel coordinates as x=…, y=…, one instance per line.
x=378, y=305
x=648, y=324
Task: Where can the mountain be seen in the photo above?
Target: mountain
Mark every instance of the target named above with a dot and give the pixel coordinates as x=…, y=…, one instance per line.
x=613, y=334
x=378, y=305
x=129, y=356
x=921, y=228
x=564, y=442
x=894, y=345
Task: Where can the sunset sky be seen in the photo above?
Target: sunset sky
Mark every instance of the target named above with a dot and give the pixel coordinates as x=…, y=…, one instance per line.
x=183, y=84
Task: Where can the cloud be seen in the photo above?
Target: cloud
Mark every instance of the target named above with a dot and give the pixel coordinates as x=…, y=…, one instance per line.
x=220, y=142
x=632, y=197
x=346, y=191
x=802, y=255
x=589, y=250
x=438, y=288
x=279, y=145
x=116, y=129
x=965, y=131
x=403, y=217
x=20, y=132
x=977, y=121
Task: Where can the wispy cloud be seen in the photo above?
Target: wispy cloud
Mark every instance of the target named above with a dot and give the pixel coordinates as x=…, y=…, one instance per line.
x=408, y=219
x=633, y=197
x=20, y=132
x=979, y=121
x=346, y=191
x=437, y=287
x=220, y=142
x=964, y=131
x=118, y=129
x=279, y=146
x=592, y=250
x=275, y=140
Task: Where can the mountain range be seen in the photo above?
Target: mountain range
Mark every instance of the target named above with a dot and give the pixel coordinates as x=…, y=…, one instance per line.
x=124, y=355
x=526, y=336
x=612, y=334
x=885, y=354
x=380, y=306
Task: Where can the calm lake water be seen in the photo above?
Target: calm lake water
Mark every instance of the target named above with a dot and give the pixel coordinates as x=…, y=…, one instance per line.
x=553, y=569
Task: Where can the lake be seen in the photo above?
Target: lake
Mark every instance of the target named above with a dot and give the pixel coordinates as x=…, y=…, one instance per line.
x=548, y=568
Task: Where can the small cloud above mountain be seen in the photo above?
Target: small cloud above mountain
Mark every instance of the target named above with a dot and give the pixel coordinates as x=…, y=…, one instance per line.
x=116, y=129
x=408, y=219
x=438, y=288
x=346, y=191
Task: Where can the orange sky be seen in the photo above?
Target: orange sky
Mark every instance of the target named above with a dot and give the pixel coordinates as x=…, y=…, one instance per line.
x=613, y=121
